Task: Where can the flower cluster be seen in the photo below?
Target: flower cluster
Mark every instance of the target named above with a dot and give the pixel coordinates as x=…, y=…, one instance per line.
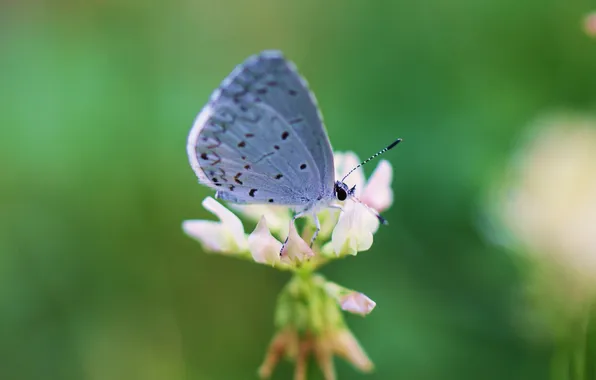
x=308, y=317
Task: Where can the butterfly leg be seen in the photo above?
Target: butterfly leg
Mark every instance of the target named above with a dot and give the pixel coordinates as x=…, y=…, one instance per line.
x=337, y=207
x=317, y=229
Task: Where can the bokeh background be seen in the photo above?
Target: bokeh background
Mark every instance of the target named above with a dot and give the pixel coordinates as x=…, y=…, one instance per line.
x=97, y=279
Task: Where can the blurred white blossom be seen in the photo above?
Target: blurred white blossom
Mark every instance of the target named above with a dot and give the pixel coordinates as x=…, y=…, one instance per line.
x=590, y=24
x=548, y=205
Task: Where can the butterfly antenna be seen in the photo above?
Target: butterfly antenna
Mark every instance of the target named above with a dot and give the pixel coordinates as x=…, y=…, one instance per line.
x=373, y=157
x=372, y=211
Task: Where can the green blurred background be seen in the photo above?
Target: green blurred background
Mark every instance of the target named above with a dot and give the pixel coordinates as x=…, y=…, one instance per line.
x=97, y=280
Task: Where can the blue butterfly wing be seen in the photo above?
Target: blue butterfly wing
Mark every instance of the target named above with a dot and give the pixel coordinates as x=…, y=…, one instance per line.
x=261, y=139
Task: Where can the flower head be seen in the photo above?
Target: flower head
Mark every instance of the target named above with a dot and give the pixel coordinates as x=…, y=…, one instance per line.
x=342, y=233
x=308, y=315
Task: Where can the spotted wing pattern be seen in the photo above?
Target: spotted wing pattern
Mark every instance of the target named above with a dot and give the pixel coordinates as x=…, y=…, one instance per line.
x=260, y=139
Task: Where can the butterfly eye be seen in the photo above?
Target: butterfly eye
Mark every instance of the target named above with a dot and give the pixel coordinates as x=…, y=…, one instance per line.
x=341, y=194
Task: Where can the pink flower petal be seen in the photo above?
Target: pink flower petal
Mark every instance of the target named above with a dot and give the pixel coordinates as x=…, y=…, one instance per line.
x=590, y=24
x=349, y=300
x=263, y=247
x=377, y=192
x=344, y=162
x=357, y=303
x=296, y=249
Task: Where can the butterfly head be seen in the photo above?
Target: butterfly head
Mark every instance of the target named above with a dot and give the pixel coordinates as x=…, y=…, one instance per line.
x=341, y=191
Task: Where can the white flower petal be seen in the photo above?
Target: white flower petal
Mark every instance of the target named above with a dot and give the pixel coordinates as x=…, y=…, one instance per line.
x=226, y=236
x=354, y=230
x=263, y=247
x=228, y=219
x=210, y=234
x=344, y=162
x=378, y=193
x=328, y=251
x=296, y=249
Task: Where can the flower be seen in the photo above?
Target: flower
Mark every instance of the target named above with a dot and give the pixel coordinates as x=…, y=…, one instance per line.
x=356, y=225
x=590, y=24
x=308, y=313
x=550, y=203
x=351, y=230
x=354, y=230
x=547, y=205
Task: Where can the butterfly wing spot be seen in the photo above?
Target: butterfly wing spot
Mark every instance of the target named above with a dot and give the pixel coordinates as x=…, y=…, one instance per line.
x=285, y=135
x=247, y=167
x=242, y=144
x=223, y=175
x=270, y=200
x=237, y=178
x=276, y=147
x=303, y=166
x=231, y=187
x=292, y=92
x=204, y=156
x=279, y=176
x=249, y=135
x=252, y=192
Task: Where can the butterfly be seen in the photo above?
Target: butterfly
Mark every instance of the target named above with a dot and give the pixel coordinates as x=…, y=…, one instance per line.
x=261, y=140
